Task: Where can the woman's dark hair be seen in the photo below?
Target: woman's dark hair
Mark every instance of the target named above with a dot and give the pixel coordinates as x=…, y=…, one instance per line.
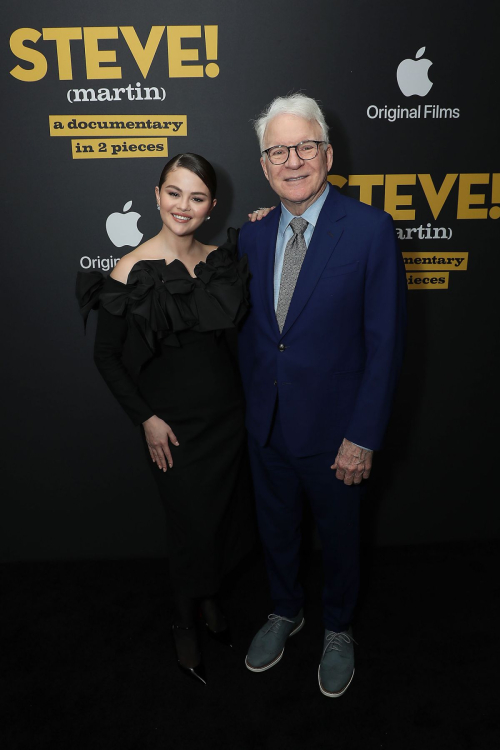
x=196, y=164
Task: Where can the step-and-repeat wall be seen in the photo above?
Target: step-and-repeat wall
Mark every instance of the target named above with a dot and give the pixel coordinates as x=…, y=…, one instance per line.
x=97, y=97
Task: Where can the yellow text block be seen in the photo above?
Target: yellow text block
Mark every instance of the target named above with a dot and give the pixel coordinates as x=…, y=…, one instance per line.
x=95, y=126
x=437, y=261
x=118, y=148
x=427, y=280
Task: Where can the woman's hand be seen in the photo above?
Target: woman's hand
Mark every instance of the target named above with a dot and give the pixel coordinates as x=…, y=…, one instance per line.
x=158, y=434
x=259, y=213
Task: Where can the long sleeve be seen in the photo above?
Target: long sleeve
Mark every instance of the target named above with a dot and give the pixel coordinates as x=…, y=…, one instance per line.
x=110, y=337
x=158, y=302
x=384, y=329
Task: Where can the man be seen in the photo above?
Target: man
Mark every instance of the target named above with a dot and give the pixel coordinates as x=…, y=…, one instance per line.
x=320, y=353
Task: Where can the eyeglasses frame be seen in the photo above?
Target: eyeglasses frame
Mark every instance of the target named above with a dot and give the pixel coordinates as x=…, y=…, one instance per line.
x=279, y=145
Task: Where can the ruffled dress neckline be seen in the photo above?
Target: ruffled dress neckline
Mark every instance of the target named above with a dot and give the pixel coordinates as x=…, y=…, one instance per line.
x=161, y=300
x=178, y=262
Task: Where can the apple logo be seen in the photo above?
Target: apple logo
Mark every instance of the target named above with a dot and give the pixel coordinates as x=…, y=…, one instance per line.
x=122, y=228
x=412, y=75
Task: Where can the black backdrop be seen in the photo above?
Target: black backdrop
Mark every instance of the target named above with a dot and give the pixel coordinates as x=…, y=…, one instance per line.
x=78, y=485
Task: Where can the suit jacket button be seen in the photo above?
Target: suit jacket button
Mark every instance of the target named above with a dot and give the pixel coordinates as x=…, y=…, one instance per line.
x=275, y=382
x=282, y=347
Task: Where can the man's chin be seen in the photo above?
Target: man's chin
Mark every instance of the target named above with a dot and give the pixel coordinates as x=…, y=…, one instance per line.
x=296, y=192
x=300, y=194
x=297, y=197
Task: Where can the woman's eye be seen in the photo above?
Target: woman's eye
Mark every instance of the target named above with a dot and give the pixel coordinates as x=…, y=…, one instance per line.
x=198, y=200
x=174, y=195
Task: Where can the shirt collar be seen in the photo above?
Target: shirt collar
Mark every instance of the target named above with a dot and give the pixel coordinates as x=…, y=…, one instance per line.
x=310, y=215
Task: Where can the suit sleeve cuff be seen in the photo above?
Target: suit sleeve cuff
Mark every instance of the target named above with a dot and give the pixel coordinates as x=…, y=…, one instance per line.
x=363, y=447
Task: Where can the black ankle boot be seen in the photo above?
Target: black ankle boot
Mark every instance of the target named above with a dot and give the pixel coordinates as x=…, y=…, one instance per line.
x=215, y=622
x=198, y=671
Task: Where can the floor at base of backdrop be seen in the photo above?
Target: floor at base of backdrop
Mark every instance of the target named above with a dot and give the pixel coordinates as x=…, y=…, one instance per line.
x=88, y=661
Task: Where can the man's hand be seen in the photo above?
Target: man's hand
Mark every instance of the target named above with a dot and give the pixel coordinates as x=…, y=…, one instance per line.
x=259, y=213
x=352, y=463
x=158, y=434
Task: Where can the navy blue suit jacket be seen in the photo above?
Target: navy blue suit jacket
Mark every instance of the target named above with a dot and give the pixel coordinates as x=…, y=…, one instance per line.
x=335, y=365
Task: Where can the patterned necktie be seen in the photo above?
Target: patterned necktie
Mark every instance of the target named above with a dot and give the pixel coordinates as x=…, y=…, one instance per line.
x=295, y=252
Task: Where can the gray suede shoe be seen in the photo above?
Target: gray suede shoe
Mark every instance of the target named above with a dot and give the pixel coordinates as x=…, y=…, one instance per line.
x=336, y=668
x=268, y=646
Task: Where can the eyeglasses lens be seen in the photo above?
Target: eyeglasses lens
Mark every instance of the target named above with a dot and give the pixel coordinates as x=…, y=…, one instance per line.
x=305, y=150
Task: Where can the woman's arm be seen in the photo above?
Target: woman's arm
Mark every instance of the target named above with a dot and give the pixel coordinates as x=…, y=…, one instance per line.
x=110, y=337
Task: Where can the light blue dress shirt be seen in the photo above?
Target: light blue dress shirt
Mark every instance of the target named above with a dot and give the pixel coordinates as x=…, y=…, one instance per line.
x=285, y=233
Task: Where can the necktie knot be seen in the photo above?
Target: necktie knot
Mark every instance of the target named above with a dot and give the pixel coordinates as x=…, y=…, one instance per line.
x=298, y=225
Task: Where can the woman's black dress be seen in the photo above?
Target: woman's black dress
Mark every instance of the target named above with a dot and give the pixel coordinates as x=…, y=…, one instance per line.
x=164, y=345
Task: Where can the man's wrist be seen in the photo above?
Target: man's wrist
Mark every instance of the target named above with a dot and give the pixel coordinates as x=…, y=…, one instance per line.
x=362, y=450
x=363, y=447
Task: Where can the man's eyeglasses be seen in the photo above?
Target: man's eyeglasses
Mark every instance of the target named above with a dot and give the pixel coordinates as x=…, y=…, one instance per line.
x=280, y=154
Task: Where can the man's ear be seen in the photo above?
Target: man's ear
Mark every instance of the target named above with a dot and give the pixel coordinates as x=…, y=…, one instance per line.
x=329, y=156
x=264, y=167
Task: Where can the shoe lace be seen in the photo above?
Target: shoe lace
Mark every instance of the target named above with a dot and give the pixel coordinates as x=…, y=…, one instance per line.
x=276, y=621
x=335, y=641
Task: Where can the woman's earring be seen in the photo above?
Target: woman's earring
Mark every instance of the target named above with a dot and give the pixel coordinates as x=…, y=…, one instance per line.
x=208, y=218
x=158, y=206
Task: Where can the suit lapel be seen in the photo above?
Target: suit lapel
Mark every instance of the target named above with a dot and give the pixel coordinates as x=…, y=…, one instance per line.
x=327, y=233
x=266, y=253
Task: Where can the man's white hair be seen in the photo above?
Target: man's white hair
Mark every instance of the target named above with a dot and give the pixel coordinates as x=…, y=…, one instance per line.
x=295, y=104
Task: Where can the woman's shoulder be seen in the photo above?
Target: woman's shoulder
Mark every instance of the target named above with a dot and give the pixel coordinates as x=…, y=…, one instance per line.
x=229, y=244
x=149, y=250
x=122, y=269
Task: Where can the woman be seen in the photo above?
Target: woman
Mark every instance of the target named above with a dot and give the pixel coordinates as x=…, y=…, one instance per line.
x=166, y=315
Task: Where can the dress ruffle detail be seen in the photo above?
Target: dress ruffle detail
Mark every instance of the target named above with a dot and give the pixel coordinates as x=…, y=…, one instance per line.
x=162, y=300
